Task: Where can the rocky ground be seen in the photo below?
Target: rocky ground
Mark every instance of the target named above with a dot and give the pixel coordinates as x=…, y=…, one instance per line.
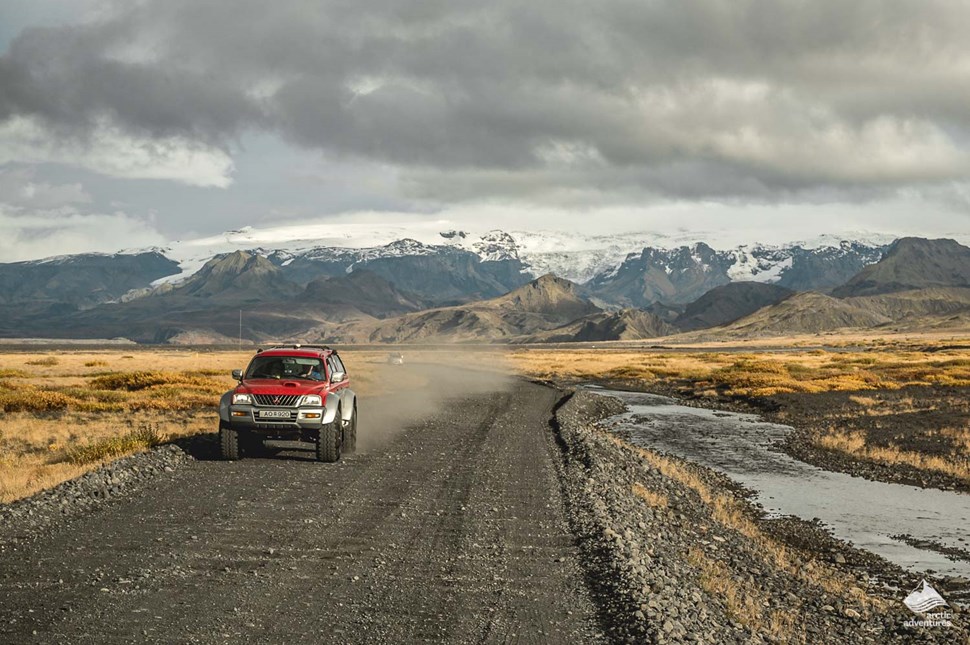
x=451, y=530
x=481, y=522
x=51, y=510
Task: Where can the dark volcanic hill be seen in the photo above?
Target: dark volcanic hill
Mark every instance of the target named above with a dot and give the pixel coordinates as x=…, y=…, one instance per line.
x=626, y=324
x=209, y=302
x=363, y=291
x=729, y=302
x=912, y=263
x=238, y=276
x=543, y=304
x=555, y=299
x=803, y=313
x=814, y=313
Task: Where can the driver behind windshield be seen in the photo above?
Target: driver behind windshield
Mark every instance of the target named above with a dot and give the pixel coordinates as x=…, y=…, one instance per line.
x=276, y=368
x=312, y=372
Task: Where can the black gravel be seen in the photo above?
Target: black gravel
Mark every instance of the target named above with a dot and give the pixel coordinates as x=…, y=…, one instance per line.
x=480, y=523
x=52, y=510
x=454, y=530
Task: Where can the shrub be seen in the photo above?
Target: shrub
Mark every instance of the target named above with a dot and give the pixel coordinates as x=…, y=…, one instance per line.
x=142, y=438
x=134, y=381
x=35, y=400
x=99, y=406
x=89, y=394
x=96, y=364
x=208, y=372
x=630, y=372
x=185, y=401
x=758, y=378
x=46, y=361
x=9, y=373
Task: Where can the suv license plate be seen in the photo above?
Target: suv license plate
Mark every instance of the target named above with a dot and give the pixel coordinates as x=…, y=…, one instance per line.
x=274, y=414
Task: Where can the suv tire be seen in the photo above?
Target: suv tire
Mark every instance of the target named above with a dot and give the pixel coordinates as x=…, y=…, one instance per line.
x=229, y=443
x=328, y=441
x=350, y=434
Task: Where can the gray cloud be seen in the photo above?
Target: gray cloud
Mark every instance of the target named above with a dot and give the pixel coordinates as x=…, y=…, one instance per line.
x=758, y=99
x=20, y=189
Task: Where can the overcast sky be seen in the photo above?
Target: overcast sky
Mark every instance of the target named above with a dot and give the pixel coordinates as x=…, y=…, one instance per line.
x=129, y=123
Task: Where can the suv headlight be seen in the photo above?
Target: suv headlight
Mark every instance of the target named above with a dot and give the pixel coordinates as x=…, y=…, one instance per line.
x=312, y=399
x=244, y=399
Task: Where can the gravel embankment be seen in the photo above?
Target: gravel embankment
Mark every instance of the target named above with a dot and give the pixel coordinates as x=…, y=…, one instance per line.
x=666, y=574
x=53, y=509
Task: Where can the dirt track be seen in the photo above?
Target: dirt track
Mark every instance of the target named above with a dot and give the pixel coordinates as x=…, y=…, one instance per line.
x=452, y=530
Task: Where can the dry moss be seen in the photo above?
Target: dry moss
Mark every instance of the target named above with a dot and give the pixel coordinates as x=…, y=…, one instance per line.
x=34, y=400
x=955, y=464
x=134, y=381
x=47, y=361
x=136, y=440
x=755, y=374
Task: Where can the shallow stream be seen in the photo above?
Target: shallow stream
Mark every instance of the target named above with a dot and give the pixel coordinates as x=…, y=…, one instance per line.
x=863, y=512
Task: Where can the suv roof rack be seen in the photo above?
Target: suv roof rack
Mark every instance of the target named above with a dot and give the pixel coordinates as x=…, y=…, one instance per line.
x=295, y=346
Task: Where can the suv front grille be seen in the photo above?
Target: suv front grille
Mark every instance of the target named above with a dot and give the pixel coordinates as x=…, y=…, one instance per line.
x=278, y=400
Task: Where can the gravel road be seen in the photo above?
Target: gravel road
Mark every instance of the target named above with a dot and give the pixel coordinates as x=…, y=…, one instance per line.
x=453, y=529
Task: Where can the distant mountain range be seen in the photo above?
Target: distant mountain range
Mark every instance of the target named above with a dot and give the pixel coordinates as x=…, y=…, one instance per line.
x=466, y=288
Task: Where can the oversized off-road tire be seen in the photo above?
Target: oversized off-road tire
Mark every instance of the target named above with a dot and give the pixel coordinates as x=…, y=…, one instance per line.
x=328, y=441
x=229, y=443
x=350, y=434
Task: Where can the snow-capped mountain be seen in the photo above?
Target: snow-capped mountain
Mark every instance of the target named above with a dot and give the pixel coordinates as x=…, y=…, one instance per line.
x=595, y=259
x=681, y=275
x=576, y=256
x=442, y=265
x=282, y=277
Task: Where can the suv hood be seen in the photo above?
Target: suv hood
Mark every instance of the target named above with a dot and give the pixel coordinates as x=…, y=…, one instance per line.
x=277, y=386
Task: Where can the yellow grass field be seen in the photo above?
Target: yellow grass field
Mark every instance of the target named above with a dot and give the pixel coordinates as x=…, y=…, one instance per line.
x=754, y=373
x=65, y=412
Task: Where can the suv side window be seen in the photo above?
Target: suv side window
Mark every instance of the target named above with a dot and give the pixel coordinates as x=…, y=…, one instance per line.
x=339, y=364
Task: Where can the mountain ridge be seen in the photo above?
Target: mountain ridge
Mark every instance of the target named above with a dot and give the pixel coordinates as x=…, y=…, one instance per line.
x=912, y=263
x=477, y=294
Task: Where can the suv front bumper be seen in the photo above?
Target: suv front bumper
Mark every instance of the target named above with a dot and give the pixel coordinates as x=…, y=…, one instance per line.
x=263, y=419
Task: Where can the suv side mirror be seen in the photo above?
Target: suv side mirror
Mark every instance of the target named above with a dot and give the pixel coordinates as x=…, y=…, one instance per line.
x=338, y=377
x=237, y=374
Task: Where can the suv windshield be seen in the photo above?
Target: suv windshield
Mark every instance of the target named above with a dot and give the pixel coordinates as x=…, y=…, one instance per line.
x=291, y=367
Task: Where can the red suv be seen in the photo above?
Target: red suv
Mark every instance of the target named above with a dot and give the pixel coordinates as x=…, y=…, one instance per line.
x=288, y=394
